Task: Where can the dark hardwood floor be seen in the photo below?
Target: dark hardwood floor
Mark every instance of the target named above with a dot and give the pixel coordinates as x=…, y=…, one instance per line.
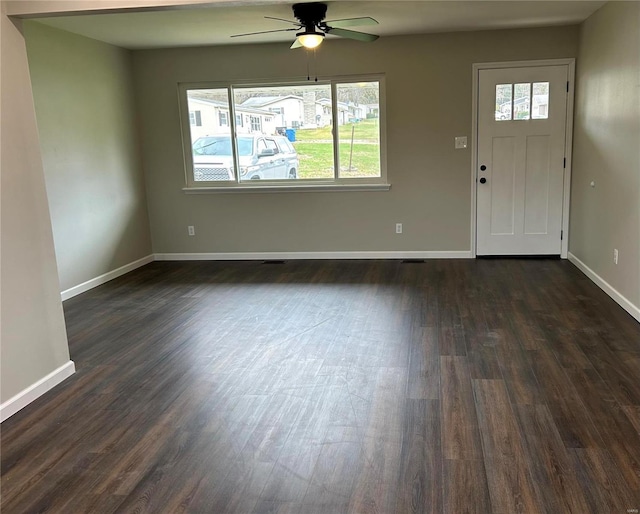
x=488, y=386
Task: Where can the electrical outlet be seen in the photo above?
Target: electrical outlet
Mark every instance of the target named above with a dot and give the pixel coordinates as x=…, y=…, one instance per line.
x=615, y=256
x=192, y=230
x=398, y=228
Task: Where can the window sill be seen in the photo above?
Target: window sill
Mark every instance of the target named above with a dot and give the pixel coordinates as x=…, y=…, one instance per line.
x=303, y=188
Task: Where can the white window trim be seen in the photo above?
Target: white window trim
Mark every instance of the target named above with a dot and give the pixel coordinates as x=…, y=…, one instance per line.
x=301, y=185
x=271, y=187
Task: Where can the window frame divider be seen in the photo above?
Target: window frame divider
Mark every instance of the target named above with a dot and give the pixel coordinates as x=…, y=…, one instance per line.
x=233, y=134
x=335, y=131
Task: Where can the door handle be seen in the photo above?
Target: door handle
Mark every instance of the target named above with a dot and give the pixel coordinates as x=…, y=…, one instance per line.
x=483, y=180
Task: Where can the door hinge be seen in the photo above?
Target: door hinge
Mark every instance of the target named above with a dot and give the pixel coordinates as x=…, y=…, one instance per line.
x=564, y=162
x=567, y=86
x=561, y=234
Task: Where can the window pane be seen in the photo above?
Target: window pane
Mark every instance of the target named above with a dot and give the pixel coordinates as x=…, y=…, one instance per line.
x=279, y=115
x=504, y=95
x=210, y=135
x=540, y=101
x=359, y=129
x=521, y=101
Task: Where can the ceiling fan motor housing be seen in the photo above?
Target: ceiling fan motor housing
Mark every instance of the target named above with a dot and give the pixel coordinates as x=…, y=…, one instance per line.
x=311, y=14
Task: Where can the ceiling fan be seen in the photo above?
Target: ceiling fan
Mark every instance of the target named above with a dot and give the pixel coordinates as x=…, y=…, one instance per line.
x=313, y=28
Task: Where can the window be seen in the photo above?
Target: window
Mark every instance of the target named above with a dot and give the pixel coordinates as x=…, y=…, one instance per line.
x=522, y=101
x=359, y=141
x=309, y=150
x=313, y=156
x=211, y=157
x=284, y=145
x=195, y=118
x=504, y=96
x=540, y=101
x=256, y=125
x=271, y=145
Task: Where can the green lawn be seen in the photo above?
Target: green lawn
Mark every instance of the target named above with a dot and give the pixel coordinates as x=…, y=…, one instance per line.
x=316, y=158
x=366, y=130
x=365, y=160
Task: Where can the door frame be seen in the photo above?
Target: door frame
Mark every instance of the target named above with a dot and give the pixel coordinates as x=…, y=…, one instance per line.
x=571, y=68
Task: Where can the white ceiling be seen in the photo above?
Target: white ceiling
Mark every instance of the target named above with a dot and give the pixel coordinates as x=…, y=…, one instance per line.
x=213, y=25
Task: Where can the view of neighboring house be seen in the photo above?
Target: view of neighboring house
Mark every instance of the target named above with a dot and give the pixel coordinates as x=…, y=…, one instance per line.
x=372, y=110
x=357, y=111
x=323, y=112
x=208, y=117
x=539, y=108
x=268, y=114
x=294, y=111
x=289, y=111
x=350, y=111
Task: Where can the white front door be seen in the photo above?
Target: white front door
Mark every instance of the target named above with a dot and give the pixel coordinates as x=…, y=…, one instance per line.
x=521, y=143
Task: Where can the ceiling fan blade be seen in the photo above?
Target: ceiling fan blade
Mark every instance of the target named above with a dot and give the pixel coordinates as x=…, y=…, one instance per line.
x=264, y=32
x=282, y=19
x=352, y=22
x=296, y=44
x=351, y=34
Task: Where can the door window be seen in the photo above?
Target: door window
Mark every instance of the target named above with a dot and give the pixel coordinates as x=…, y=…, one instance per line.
x=522, y=101
x=504, y=99
x=540, y=101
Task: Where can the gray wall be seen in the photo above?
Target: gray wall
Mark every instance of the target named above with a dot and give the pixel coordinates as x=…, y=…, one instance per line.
x=429, y=83
x=83, y=93
x=607, y=147
x=34, y=339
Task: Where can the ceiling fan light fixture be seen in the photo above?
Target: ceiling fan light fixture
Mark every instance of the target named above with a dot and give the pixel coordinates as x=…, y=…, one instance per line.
x=310, y=39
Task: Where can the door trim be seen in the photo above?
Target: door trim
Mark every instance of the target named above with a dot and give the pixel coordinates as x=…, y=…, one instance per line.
x=566, y=199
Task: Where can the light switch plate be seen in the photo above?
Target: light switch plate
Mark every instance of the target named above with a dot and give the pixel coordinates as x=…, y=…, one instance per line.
x=461, y=142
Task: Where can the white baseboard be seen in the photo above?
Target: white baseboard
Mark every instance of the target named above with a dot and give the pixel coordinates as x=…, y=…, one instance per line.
x=262, y=256
x=102, y=279
x=259, y=256
x=36, y=390
x=625, y=303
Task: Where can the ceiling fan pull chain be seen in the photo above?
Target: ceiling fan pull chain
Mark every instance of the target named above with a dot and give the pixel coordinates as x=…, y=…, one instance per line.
x=315, y=65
